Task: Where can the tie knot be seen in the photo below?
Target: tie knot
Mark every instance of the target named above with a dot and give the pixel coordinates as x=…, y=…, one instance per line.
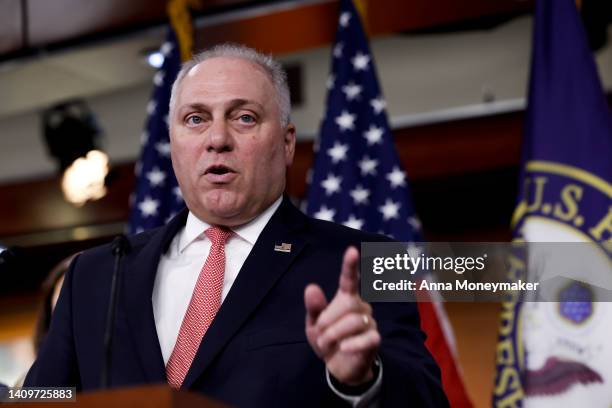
x=218, y=235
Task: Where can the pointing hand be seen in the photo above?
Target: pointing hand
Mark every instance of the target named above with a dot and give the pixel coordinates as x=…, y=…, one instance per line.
x=343, y=332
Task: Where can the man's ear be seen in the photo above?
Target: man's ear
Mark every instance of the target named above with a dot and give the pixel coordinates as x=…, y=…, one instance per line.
x=289, y=140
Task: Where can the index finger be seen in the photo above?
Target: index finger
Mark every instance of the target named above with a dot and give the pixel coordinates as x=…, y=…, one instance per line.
x=349, y=276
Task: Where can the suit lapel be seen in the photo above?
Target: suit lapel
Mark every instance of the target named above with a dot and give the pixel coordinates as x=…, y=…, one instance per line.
x=139, y=270
x=261, y=270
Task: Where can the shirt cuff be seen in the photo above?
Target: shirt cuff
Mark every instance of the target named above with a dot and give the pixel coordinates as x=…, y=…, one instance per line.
x=368, y=398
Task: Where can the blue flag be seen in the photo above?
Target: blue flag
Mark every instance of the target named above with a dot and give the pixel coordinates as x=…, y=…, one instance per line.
x=559, y=353
x=157, y=197
x=357, y=179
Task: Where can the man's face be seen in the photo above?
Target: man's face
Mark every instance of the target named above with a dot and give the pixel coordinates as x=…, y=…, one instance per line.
x=229, y=151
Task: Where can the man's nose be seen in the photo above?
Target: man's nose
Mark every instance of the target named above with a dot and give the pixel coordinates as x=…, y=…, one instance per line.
x=219, y=138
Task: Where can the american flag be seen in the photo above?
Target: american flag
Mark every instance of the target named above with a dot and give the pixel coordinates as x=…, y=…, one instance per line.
x=358, y=181
x=157, y=196
x=357, y=178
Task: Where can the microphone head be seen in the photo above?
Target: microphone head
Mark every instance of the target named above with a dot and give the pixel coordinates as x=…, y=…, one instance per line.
x=6, y=254
x=120, y=245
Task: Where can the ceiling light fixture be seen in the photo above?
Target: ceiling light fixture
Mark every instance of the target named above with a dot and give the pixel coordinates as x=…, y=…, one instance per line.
x=155, y=59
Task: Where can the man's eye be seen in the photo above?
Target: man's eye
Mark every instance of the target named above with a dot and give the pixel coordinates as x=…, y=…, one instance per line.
x=247, y=118
x=194, y=120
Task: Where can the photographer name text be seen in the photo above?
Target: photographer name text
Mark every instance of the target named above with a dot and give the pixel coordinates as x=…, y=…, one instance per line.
x=407, y=285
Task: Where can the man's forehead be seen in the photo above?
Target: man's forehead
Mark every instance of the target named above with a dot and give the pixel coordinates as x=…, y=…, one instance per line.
x=226, y=79
x=226, y=66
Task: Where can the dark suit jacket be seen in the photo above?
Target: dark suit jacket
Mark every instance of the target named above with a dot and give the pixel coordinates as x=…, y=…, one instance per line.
x=255, y=353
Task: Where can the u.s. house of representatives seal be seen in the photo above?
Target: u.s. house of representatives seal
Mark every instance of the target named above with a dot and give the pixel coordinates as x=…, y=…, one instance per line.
x=560, y=347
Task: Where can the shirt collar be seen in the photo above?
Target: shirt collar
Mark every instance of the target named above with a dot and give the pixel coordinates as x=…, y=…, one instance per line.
x=194, y=227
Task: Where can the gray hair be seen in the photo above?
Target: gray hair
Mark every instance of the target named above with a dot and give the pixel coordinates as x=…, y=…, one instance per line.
x=271, y=67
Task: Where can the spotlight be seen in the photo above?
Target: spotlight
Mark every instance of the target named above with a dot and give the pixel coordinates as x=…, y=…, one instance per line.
x=72, y=135
x=84, y=179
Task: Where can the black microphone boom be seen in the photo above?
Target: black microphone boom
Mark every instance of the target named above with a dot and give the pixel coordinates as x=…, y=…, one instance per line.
x=119, y=247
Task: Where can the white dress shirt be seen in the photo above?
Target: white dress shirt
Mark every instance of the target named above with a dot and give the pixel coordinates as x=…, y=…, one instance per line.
x=180, y=266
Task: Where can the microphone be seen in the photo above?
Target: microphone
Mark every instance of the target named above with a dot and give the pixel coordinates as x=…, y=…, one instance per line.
x=3, y=392
x=119, y=248
x=7, y=255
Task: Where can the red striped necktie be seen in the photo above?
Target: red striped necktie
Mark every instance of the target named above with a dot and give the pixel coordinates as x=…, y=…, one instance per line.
x=203, y=307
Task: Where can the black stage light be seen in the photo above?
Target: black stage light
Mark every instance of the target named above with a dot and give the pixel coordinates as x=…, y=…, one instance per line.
x=72, y=137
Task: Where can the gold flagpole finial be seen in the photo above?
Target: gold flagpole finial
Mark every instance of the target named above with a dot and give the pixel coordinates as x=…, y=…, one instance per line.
x=180, y=19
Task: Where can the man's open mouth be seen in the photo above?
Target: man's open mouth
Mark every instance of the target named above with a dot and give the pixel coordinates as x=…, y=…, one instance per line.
x=219, y=174
x=218, y=169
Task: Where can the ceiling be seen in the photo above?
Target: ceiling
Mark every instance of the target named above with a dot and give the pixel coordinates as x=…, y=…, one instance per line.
x=100, y=48
x=32, y=26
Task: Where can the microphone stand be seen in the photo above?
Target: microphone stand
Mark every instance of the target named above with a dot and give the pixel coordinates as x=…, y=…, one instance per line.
x=120, y=247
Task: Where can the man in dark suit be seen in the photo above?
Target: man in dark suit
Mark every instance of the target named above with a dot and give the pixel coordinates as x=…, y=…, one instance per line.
x=234, y=328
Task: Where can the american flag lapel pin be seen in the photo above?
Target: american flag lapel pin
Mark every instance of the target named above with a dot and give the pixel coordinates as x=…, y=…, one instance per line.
x=284, y=247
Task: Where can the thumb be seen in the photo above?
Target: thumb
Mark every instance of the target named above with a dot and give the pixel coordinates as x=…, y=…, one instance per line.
x=315, y=302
